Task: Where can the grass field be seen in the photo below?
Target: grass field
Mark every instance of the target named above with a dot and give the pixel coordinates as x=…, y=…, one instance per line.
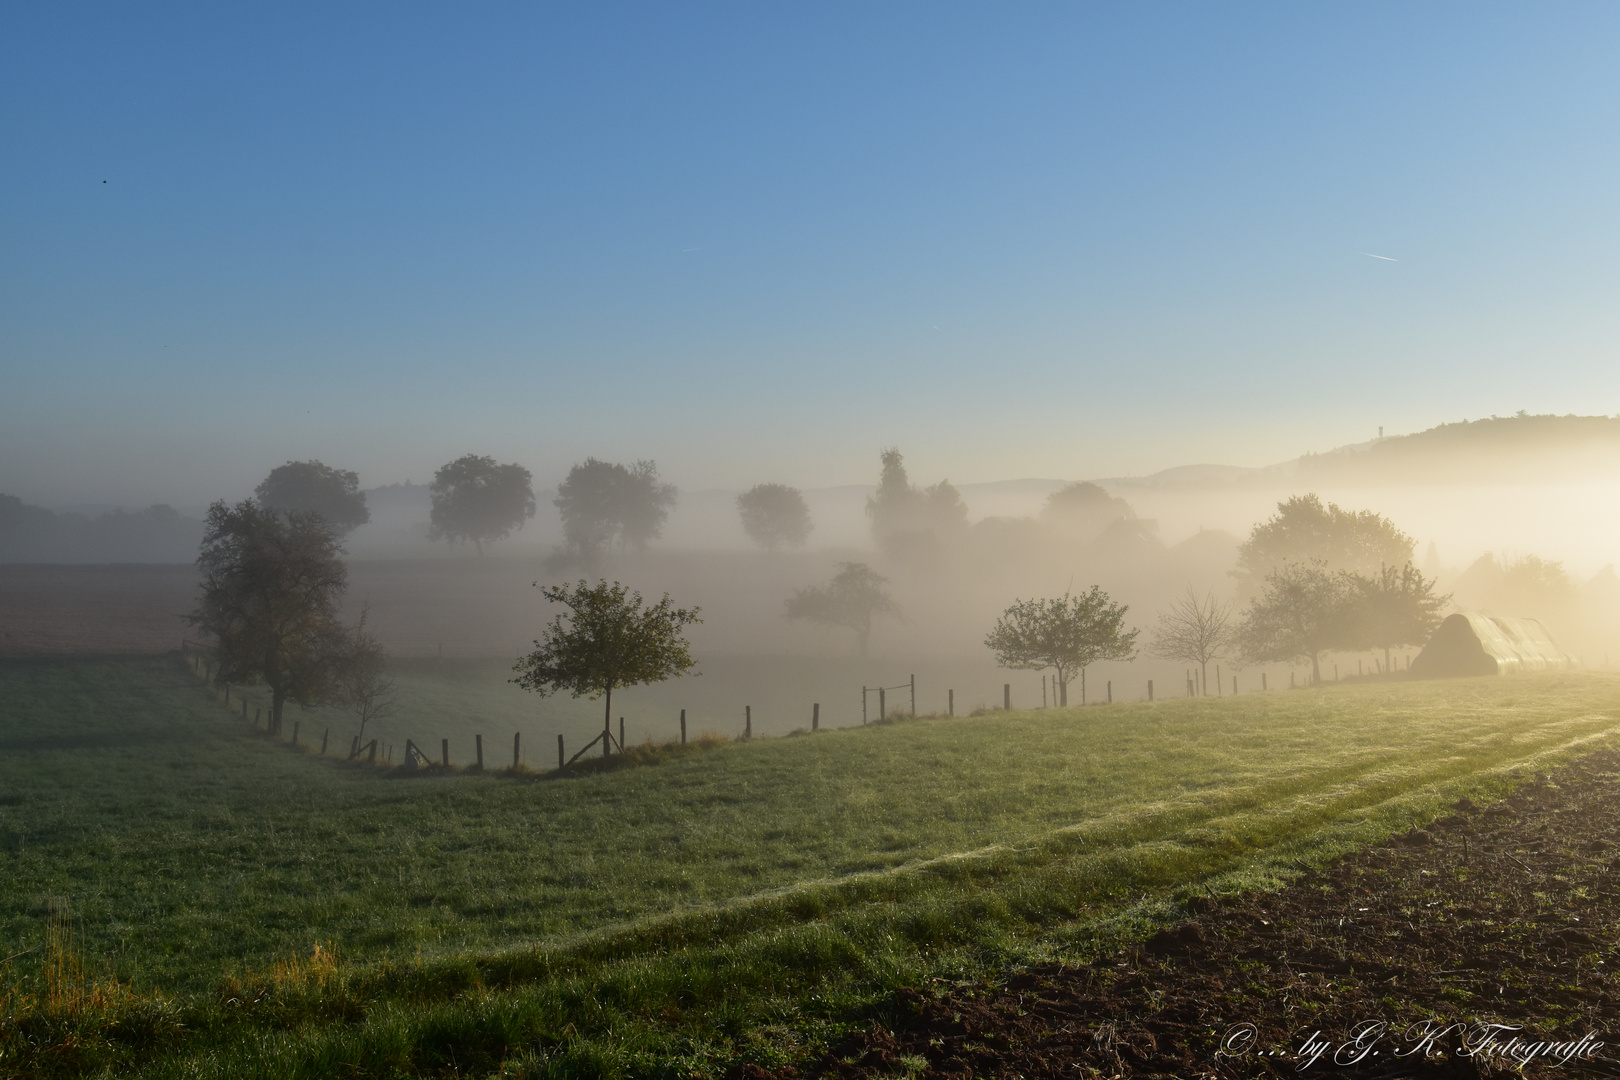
x=737, y=902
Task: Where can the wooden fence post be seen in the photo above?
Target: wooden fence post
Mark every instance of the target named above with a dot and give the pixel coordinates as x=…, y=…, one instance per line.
x=1262, y=680
x=621, y=734
x=863, y=706
x=295, y=732
x=1110, y=691
x=950, y=702
x=1150, y=689
x=559, y=751
x=683, y=727
x=444, y=747
x=748, y=721
x=883, y=704
x=1234, y=686
x=478, y=741
x=914, y=696
x=244, y=708
x=1006, y=697
x=324, y=736
x=815, y=716
x=515, y=736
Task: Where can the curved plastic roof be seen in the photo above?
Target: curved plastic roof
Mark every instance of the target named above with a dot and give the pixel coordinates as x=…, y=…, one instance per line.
x=1474, y=643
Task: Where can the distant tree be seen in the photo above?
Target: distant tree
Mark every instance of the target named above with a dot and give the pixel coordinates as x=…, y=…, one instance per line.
x=606, y=641
x=1303, y=610
x=309, y=485
x=774, y=515
x=1395, y=608
x=602, y=502
x=270, y=589
x=1197, y=630
x=1068, y=634
x=906, y=518
x=363, y=686
x=1084, y=508
x=476, y=499
x=852, y=599
x=1304, y=530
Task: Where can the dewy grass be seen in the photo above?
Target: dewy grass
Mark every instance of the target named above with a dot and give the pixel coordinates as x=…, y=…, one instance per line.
x=739, y=903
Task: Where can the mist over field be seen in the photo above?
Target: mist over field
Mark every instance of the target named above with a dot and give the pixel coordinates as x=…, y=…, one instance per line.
x=623, y=541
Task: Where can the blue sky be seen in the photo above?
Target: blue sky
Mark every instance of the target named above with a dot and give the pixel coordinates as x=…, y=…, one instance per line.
x=762, y=241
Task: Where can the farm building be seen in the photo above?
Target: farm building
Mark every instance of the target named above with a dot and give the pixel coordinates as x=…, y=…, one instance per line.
x=1471, y=643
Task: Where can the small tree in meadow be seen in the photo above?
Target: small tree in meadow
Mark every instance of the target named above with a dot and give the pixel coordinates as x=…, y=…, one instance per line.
x=606, y=640
x=363, y=685
x=1068, y=634
x=774, y=515
x=852, y=599
x=1197, y=630
x=1303, y=610
x=1395, y=608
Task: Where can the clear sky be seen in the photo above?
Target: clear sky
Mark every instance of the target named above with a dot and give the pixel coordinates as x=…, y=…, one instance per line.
x=761, y=241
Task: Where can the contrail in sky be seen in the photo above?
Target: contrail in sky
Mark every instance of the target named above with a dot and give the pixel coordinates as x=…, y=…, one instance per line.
x=1386, y=258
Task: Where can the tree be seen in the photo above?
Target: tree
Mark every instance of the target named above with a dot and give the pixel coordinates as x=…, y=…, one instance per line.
x=1303, y=610
x=606, y=641
x=270, y=589
x=1303, y=530
x=363, y=686
x=1196, y=630
x=907, y=518
x=1397, y=607
x=1068, y=634
x=773, y=515
x=334, y=494
x=478, y=500
x=1084, y=509
x=602, y=501
x=852, y=599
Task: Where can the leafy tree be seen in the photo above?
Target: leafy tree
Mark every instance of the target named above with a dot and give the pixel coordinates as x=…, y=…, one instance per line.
x=1303, y=610
x=270, y=589
x=606, y=641
x=1067, y=634
x=1198, y=630
x=476, y=499
x=602, y=501
x=309, y=485
x=773, y=515
x=1397, y=607
x=905, y=517
x=852, y=599
x=1304, y=530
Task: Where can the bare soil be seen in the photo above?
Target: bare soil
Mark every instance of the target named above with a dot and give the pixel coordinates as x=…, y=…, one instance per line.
x=1506, y=915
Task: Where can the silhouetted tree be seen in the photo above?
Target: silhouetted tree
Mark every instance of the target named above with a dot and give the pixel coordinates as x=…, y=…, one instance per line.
x=270, y=589
x=601, y=502
x=774, y=515
x=1197, y=630
x=852, y=599
x=1395, y=608
x=1068, y=634
x=476, y=499
x=334, y=494
x=1304, y=530
x=906, y=518
x=606, y=641
x=1303, y=610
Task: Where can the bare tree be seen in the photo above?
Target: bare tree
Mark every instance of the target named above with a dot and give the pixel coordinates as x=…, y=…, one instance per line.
x=1197, y=630
x=363, y=684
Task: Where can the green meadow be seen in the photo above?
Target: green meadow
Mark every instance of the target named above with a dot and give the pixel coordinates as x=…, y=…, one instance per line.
x=736, y=901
